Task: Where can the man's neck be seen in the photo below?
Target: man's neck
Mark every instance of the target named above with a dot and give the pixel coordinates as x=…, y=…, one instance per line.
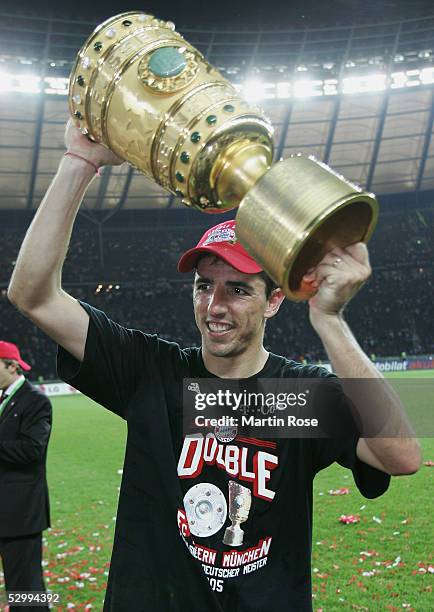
x=238, y=366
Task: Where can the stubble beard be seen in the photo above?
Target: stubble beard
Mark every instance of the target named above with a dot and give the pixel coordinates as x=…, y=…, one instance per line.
x=236, y=347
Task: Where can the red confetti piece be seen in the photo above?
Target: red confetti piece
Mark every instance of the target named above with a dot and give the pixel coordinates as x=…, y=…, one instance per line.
x=369, y=553
x=348, y=519
x=424, y=568
x=429, y=463
x=342, y=491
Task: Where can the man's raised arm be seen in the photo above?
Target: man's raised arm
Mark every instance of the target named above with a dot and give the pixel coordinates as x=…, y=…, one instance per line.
x=35, y=287
x=338, y=277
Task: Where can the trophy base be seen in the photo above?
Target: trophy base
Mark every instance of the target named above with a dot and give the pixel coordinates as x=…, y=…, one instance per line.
x=233, y=535
x=298, y=211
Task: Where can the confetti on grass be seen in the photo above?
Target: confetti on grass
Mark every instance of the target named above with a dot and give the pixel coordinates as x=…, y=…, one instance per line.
x=343, y=491
x=348, y=519
x=424, y=568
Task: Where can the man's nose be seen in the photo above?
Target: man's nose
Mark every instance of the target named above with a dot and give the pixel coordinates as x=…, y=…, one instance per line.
x=217, y=305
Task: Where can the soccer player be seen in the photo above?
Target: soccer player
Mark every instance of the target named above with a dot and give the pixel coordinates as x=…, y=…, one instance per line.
x=174, y=549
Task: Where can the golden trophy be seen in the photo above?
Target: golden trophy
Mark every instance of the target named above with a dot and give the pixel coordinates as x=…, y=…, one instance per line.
x=140, y=89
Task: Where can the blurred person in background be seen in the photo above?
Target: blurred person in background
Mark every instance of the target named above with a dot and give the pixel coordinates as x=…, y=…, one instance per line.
x=25, y=427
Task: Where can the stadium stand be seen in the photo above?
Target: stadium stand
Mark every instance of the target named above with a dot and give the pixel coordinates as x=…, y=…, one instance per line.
x=130, y=273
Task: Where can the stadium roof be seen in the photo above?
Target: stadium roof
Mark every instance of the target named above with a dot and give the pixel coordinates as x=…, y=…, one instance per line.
x=360, y=98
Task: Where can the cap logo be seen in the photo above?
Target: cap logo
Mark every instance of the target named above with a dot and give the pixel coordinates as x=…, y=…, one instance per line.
x=221, y=234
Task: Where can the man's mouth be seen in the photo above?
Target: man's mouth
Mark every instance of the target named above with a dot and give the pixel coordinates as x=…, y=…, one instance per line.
x=218, y=329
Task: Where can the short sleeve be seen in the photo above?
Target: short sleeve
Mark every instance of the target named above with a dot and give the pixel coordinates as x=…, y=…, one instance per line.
x=370, y=481
x=339, y=416
x=115, y=359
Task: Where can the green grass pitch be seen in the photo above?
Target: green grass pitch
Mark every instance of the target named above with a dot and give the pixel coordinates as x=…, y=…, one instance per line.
x=383, y=562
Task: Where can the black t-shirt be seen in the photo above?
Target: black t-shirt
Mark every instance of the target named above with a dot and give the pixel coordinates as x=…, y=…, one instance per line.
x=164, y=559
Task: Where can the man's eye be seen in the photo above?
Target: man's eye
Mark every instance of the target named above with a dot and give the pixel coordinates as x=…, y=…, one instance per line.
x=202, y=287
x=239, y=291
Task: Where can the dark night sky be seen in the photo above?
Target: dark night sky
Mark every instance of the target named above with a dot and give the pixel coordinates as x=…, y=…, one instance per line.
x=238, y=13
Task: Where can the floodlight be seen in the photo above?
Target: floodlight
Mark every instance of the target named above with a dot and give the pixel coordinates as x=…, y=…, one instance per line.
x=253, y=90
x=307, y=89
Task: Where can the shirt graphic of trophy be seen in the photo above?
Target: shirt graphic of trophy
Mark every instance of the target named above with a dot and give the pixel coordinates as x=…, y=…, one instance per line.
x=240, y=500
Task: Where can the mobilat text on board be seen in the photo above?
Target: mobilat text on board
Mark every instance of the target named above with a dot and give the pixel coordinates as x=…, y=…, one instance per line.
x=400, y=365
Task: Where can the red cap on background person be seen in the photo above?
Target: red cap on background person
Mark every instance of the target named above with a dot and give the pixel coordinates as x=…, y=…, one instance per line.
x=221, y=241
x=11, y=351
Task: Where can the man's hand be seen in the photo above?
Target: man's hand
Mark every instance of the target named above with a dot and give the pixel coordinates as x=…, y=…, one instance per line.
x=78, y=143
x=338, y=277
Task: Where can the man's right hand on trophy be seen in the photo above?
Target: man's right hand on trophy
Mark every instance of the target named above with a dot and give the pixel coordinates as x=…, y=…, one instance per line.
x=78, y=143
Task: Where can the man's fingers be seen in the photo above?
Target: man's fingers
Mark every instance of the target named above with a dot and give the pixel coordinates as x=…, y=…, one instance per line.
x=323, y=271
x=353, y=259
x=355, y=256
x=359, y=252
x=309, y=276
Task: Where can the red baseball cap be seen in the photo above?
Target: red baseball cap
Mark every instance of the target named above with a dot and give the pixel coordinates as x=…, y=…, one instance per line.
x=10, y=351
x=220, y=240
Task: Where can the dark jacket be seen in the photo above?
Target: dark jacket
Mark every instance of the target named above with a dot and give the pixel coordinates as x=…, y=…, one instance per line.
x=25, y=426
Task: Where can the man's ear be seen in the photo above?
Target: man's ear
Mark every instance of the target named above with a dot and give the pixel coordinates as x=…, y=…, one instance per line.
x=273, y=303
x=11, y=367
x=14, y=366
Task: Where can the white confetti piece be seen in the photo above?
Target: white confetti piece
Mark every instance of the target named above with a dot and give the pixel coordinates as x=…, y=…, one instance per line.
x=395, y=563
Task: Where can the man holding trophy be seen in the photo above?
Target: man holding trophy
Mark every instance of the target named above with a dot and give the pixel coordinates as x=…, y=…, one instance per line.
x=218, y=522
